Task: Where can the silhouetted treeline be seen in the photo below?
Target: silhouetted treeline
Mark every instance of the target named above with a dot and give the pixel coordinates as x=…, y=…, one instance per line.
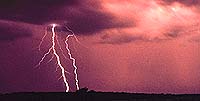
x=90, y=95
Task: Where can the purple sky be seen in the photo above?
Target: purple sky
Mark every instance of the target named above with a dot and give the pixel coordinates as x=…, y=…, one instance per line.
x=131, y=45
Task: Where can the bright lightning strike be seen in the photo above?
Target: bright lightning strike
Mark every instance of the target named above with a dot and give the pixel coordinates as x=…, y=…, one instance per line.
x=58, y=58
x=55, y=54
x=73, y=60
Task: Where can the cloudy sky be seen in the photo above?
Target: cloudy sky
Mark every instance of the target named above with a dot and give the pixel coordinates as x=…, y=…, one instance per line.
x=143, y=46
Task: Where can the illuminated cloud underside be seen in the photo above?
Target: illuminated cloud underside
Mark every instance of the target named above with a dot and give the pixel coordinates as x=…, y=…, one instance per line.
x=153, y=21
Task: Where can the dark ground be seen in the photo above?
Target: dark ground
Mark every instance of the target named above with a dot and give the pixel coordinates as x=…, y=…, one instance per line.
x=84, y=95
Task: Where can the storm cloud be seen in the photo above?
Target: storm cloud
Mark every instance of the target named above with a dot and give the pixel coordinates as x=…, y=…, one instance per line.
x=84, y=17
x=138, y=45
x=10, y=31
x=153, y=20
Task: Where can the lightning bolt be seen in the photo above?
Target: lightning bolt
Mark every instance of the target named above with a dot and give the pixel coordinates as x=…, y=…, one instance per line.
x=39, y=47
x=58, y=58
x=53, y=50
x=73, y=60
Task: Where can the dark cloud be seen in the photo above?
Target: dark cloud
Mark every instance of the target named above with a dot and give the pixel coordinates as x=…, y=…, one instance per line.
x=185, y=2
x=32, y=11
x=123, y=39
x=91, y=21
x=195, y=38
x=81, y=16
x=119, y=39
x=9, y=32
x=175, y=32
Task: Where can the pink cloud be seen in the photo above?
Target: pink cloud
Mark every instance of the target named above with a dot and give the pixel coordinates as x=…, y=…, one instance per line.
x=152, y=20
